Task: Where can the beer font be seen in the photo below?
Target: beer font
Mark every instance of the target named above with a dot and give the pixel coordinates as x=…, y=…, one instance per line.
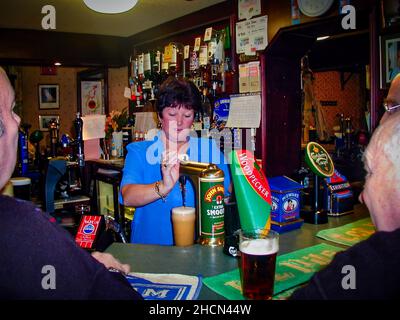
x=252, y=191
x=208, y=180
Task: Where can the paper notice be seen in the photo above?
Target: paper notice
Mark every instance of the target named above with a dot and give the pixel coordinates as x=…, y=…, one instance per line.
x=93, y=126
x=253, y=33
x=244, y=85
x=244, y=111
x=254, y=76
x=249, y=8
x=127, y=93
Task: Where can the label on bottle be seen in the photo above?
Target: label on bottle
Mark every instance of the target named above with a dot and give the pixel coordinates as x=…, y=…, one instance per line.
x=197, y=43
x=208, y=34
x=170, y=54
x=194, y=61
x=211, y=48
x=157, y=63
x=147, y=62
x=186, y=52
x=203, y=57
x=141, y=64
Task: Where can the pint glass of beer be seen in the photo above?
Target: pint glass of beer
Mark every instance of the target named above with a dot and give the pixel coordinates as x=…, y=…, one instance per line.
x=183, y=220
x=258, y=250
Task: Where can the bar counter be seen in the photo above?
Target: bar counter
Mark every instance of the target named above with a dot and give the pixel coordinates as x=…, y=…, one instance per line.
x=207, y=261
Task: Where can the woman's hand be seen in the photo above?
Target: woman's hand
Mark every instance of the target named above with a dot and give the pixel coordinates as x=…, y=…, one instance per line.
x=170, y=171
x=110, y=262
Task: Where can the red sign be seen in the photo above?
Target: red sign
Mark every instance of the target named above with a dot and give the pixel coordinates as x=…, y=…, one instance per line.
x=254, y=176
x=87, y=231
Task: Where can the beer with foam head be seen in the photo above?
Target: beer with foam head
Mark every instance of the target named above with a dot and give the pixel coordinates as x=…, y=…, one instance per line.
x=183, y=220
x=257, y=264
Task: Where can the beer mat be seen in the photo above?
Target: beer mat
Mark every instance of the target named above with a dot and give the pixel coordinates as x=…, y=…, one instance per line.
x=292, y=269
x=168, y=286
x=349, y=234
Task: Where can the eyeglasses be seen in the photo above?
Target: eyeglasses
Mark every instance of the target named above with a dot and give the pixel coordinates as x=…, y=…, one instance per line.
x=390, y=108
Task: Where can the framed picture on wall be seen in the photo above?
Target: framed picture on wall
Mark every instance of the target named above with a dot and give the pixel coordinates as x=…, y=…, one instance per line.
x=49, y=96
x=91, y=99
x=390, y=58
x=92, y=92
x=44, y=121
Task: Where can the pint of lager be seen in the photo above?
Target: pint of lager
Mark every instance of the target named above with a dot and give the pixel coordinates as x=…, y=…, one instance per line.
x=258, y=250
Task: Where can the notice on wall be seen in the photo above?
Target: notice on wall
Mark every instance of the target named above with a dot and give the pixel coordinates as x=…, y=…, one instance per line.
x=252, y=35
x=249, y=8
x=93, y=127
x=244, y=111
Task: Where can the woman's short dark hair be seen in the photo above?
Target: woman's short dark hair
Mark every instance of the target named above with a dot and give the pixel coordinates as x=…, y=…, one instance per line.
x=174, y=92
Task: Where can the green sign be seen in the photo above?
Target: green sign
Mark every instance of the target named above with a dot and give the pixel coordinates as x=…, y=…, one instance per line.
x=319, y=160
x=292, y=269
x=349, y=234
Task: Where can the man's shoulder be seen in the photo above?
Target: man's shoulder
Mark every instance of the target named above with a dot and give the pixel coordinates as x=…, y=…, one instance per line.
x=10, y=204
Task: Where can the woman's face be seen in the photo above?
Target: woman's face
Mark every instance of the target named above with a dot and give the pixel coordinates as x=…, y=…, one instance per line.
x=176, y=123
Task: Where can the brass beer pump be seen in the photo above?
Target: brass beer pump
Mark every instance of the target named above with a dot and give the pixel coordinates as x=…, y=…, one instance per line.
x=208, y=182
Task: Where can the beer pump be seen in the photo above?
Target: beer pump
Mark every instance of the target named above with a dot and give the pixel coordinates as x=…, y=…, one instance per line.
x=78, y=124
x=320, y=162
x=208, y=181
x=54, y=128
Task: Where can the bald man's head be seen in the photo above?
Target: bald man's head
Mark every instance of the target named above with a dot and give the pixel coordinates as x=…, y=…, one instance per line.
x=9, y=123
x=381, y=191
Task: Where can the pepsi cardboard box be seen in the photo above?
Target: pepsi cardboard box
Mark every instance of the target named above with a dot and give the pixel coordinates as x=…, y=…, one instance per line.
x=285, y=199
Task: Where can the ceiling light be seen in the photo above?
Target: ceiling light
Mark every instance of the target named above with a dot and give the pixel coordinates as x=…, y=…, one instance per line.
x=110, y=6
x=323, y=38
x=57, y=63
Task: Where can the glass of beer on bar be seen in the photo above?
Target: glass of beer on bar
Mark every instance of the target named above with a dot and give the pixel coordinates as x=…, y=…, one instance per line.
x=258, y=250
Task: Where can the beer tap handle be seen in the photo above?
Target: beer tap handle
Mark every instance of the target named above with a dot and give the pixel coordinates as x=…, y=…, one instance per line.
x=182, y=181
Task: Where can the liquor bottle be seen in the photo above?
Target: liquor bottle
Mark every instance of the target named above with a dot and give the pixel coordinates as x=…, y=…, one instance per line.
x=170, y=56
x=164, y=68
x=194, y=68
x=141, y=67
x=227, y=77
x=133, y=82
x=156, y=70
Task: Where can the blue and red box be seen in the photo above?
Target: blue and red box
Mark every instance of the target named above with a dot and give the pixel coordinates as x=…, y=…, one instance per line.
x=285, y=212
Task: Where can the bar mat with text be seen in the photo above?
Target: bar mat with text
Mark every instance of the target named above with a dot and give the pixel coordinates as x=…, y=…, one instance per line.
x=158, y=286
x=292, y=269
x=349, y=234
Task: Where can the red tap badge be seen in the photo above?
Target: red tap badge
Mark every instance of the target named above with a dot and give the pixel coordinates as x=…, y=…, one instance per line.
x=88, y=229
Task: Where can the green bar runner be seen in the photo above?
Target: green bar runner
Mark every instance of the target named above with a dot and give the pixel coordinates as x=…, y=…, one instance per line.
x=292, y=269
x=349, y=234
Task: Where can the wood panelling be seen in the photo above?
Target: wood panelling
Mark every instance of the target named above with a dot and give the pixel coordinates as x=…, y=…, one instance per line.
x=33, y=47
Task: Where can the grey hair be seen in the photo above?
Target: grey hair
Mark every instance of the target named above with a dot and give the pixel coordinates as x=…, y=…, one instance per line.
x=392, y=147
x=388, y=142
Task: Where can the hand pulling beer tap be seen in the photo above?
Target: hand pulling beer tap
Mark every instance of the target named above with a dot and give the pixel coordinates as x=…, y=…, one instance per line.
x=182, y=181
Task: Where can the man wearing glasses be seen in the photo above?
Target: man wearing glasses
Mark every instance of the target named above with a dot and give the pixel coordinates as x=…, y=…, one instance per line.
x=392, y=102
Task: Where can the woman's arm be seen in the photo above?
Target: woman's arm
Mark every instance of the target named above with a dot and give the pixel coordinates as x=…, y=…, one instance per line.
x=137, y=195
